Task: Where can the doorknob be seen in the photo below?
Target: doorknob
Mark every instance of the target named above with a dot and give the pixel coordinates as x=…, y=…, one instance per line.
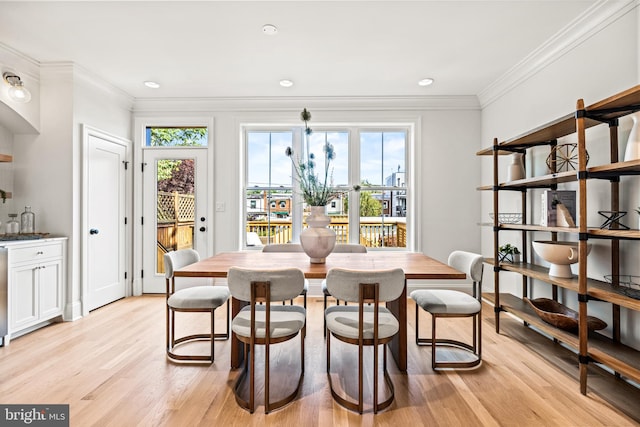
x=93, y=231
x=202, y=229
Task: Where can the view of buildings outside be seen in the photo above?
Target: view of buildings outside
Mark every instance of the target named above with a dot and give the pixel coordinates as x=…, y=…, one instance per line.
x=383, y=196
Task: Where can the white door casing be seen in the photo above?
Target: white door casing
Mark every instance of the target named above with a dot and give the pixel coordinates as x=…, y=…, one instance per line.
x=104, y=216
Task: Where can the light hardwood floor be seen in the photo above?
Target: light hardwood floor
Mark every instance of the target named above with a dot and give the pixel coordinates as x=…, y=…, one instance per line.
x=111, y=368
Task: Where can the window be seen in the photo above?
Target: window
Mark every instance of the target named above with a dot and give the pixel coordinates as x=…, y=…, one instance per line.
x=176, y=136
x=368, y=170
x=383, y=195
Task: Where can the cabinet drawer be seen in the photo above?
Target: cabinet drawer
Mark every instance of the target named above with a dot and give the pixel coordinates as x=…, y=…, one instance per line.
x=35, y=253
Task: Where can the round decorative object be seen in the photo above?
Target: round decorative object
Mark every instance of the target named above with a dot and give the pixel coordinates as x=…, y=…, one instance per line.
x=632, y=152
x=566, y=158
x=560, y=256
x=562, y=316
x=317, y=240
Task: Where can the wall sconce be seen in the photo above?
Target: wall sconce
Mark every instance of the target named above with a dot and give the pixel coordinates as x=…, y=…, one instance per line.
x=17, y=91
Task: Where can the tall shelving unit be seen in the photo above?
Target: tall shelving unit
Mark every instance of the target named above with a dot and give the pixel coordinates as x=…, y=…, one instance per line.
x=590, y=346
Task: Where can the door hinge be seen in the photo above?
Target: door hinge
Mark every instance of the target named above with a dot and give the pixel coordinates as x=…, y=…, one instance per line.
x=125, y=275
x=126, y=164
x=125, y=220
x=143, y=165
x=141, y=220
x=142, y=274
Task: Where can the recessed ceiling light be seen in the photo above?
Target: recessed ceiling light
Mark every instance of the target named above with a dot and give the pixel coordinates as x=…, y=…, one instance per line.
x=152, y=85
x=286, y=83
x=425, y=82
x=269, y=29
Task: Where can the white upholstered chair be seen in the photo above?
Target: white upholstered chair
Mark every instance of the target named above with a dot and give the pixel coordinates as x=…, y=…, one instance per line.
x=340, y=248
x=365, y=324
x=442, y=303
x=264, y=323
x=190, y=299
x=289, y=247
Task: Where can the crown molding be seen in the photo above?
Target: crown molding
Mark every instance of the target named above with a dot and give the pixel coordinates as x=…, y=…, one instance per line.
x=81, y=76
x=19, y=63
x=600, y=15
x=248, y=104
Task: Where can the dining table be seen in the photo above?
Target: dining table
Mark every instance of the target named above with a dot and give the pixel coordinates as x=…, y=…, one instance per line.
x=415, y=265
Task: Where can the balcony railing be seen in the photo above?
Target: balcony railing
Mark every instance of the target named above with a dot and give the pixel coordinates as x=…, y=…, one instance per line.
x=374, y=232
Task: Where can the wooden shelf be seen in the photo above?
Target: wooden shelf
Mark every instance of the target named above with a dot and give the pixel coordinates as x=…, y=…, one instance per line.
x=619, y=357
x=5, y=158
x=606, y=292
x=595, y=288
x=614, y=234
x=603, y=171
x=630, y=167
x=537, y=272
x=564, y=126
x=627, y=102
x=592, y=231
x=537, y=227
x=516, y=306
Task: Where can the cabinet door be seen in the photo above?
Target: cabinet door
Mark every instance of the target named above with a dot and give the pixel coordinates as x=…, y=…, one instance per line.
x=24, y=296
x=50, y=289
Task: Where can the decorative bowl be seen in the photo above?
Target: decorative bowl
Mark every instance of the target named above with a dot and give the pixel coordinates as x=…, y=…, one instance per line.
x=508, y=217
x=559, y=254
x=561, y=316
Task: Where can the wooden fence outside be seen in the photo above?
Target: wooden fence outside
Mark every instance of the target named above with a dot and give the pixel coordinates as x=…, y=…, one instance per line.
x=175, y=217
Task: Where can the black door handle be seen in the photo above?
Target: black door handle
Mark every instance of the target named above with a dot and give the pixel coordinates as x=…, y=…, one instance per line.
x=202, y=229
x=93, y=231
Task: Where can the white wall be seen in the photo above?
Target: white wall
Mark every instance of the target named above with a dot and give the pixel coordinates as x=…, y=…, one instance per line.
x=601, y=65
x=47, y=166
x=446, y=169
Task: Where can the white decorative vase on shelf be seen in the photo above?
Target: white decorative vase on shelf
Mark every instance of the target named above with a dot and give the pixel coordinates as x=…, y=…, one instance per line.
x=632, y=151
x=516, y=168
x=317, y=239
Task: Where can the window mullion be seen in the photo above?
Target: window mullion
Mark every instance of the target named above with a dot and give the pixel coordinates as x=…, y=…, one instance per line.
x=296, y=198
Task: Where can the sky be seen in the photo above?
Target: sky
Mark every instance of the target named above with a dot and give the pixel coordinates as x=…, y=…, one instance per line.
x=381, y=154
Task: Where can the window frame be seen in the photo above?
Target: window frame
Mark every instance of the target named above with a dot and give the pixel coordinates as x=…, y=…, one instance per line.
x=354, y=131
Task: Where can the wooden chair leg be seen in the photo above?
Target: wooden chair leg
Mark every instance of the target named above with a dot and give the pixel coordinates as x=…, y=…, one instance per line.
x=417, y=327
x=375, y=378
x=267, y=406
x=433, y=342
x=360, y=378
x=213, y=333
x=324, y=319
x=252, y=377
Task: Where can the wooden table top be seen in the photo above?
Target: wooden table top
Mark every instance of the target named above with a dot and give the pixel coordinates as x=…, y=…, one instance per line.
x=415, y=265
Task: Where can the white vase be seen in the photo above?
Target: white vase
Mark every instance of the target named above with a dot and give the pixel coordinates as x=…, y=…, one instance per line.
x=317, y=239
x=516, y=168
x=632, y=151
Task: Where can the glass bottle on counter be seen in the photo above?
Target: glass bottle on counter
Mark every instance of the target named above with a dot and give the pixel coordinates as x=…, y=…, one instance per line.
x=27, y=221
x=13, y=226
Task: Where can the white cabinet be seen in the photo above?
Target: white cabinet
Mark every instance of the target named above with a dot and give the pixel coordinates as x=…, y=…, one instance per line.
x=35, y=279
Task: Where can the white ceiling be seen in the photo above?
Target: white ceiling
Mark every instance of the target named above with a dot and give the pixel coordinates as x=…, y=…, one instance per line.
x=328, y=48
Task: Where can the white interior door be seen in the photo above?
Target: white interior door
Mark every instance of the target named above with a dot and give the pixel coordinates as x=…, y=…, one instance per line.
x=105, y=228
x=174, y=208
